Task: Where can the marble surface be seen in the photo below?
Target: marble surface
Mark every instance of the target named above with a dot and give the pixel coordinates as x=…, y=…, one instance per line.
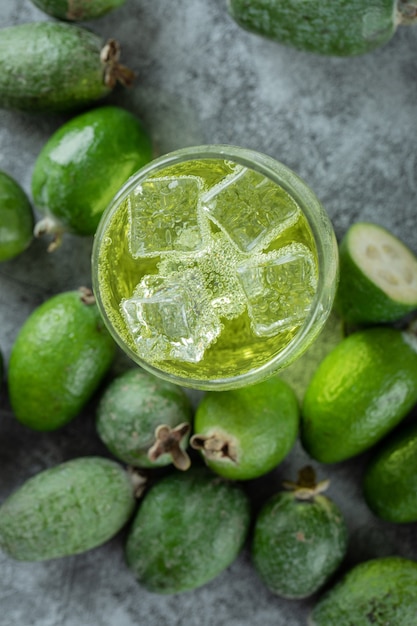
x=348, y=127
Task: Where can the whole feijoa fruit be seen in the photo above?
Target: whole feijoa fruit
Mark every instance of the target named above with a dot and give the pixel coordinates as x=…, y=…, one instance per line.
x=189, y=528
x=361, y=390
x=83, y=165
x=374, y=593
x=52, y=66
x=77, y=10
x=16, y=218
x=145, y=421
x=323, y=26
x=59, y=357
x=300, y=538
x=245, y=433
x=66, y=509
x=390, y=480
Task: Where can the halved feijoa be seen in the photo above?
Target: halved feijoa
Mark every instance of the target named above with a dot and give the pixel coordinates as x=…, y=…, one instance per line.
x=378, y=276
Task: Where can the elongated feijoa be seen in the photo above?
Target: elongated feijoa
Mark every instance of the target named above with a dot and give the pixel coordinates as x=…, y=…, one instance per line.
x=300, y=538
x=390, y=480
x=378, y=276
x=52, y=66
x=77, y=10
x=361, y=390
x=67, y=509
x=145, y=421
x=342, y=28
x=245, y=433
x=379, y=592
x=189, y=528
x=59, y=357
x=82, y=166
x=16, y=218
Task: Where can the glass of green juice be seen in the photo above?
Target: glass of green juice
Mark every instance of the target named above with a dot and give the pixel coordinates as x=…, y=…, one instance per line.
x=215, y=266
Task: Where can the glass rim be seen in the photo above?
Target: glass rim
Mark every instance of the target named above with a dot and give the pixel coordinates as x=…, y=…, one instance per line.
x=324, y=238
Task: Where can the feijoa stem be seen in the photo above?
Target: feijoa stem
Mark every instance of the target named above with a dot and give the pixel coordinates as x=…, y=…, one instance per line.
x=50, y=226
x=306, y=487
x=168, y=441
x=215, y=446
x=407, y=12
x=138, y=480
x=115, y=72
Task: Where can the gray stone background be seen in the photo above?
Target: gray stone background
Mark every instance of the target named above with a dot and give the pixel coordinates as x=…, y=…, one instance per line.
x=348, y=127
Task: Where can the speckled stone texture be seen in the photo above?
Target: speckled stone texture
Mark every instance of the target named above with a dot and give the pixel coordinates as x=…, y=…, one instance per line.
x=348, y=127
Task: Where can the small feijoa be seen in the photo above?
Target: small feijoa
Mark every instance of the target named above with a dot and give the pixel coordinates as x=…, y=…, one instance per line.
x=81, y=167
x=77, y=10
x=145, y=421
x=379, y=592
x=66, y=509
x=361, y=390
x=300, y=538
x=189, y=528
x=16, y=218
x=390, y=480
x=245, y=433
x=53, y=66
x=325, y=26
x=59, y=357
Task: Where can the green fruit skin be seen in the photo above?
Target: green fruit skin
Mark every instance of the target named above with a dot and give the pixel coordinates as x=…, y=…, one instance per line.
x=343, y=28
x=50, y=66
x=361, y=390
x=263, y=419
x=298, y=545
x=84, y=164
x=59, y=357
x=379, y=592
x=358, y=300
x=390, y=480
x=189, y=528
x=131, y=408
x=65, y=510
x=77, y=10
x=16, y=218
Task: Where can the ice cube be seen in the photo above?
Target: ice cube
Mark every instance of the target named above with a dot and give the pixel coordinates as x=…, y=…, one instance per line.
x=170, y=317
x=279, y=288
x=250, y=208
x=164, y=216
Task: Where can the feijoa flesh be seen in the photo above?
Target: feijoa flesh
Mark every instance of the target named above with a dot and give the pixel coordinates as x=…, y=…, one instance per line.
x=245, y=433
x=58, y=359
x=189, y=528
x=83, y=165
x=77, y=10
x=374, y=593
x=361, y=390
x=342, y=28
x=145, y=421
x=16, y=218
x=300, y=538
x=378, y=276
x=67, y=509
x=53, y=66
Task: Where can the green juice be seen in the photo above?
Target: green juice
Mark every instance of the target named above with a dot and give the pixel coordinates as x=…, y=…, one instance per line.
x=207, y=270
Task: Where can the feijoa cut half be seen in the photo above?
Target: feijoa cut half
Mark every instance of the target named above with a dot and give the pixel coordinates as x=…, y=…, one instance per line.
x=378, y=276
